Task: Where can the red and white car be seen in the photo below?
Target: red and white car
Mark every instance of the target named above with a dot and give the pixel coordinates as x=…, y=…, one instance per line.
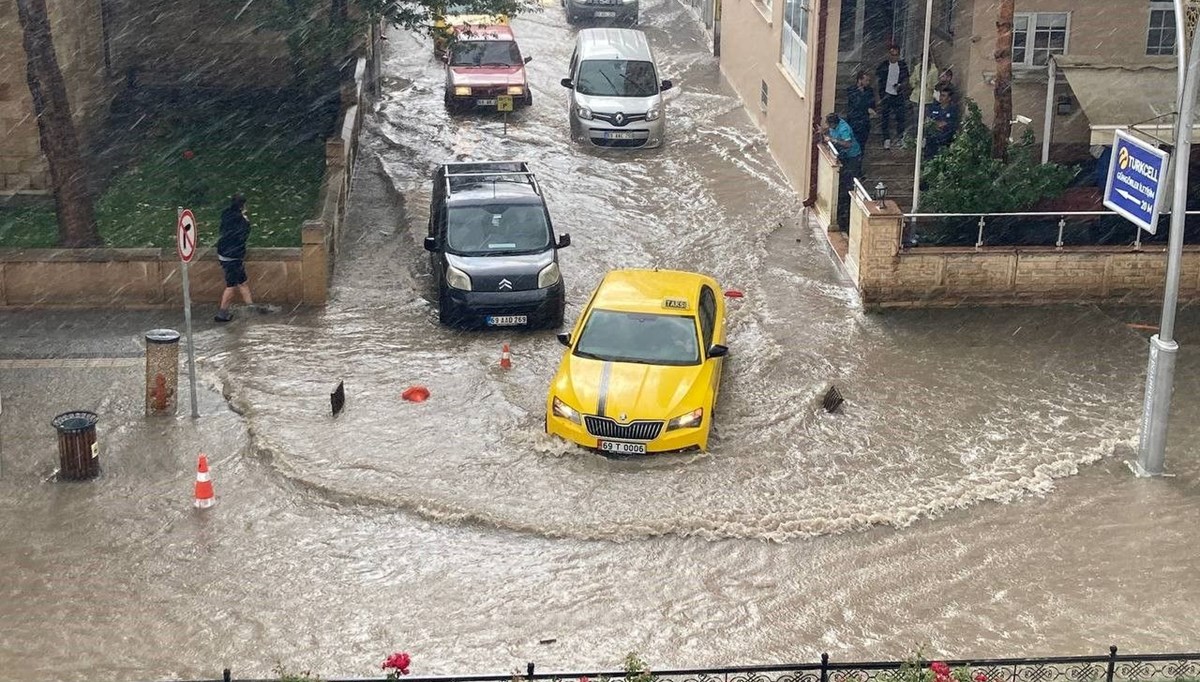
x=483, y=63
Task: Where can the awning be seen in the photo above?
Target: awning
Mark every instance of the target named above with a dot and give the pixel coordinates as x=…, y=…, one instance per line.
x=1136, y=96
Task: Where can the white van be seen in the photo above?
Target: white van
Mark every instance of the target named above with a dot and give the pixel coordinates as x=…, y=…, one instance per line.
x=616, y=92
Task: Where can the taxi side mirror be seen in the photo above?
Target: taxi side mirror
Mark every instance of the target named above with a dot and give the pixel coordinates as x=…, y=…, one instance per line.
x=565, y=339
x=718, y=351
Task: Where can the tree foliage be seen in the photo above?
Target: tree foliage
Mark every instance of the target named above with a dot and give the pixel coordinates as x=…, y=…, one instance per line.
x=965, y=178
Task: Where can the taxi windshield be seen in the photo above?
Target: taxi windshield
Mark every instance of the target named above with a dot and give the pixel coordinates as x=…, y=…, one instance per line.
x=501, y=229
x=485, y=53
x=647, y=338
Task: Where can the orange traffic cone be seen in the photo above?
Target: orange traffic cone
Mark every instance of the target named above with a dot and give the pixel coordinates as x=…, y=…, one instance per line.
x=204, y=488
x=505, y=358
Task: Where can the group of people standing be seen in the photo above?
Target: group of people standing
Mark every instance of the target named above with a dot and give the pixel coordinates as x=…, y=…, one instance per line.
x=889, y=101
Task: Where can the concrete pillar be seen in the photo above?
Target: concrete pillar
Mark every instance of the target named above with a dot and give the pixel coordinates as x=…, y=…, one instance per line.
x=314, y=262
x=874, y=250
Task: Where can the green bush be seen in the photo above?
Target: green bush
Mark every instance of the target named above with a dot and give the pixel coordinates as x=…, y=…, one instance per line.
x=964, y=178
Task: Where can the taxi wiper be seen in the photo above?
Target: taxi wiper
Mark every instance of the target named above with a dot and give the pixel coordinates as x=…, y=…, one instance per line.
x=590, y=356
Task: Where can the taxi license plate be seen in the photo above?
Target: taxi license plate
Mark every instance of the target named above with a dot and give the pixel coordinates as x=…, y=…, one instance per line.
x=486, y=102
x=507, y=320
x=605, y=14
x=623, y=448
x=619, y=135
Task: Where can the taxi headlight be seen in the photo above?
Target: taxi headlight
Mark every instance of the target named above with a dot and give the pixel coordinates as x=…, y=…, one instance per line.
x=561, y=409
x=584, y=113
x=549, y=276
x=686, y=421
x=462, y=91
x=516, y=90
x=653, y=114
x=457, y=279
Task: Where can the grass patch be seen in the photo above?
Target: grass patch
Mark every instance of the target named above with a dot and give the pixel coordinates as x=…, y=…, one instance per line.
x=273, y=152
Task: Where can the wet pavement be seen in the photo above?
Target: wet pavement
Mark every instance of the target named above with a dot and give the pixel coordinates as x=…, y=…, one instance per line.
x=971, y=497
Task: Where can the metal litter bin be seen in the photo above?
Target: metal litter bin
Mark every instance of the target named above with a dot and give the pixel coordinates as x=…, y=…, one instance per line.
x=78, y=452
x=162, y=371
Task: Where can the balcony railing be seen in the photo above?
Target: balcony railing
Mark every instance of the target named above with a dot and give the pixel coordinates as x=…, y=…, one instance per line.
x=1113, y=667
x=1059, y=229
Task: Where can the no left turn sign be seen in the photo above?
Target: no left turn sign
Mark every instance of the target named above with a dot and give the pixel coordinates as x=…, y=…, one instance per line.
x=185, y=238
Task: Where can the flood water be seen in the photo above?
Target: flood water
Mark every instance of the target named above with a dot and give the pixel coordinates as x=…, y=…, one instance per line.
x=970, y=498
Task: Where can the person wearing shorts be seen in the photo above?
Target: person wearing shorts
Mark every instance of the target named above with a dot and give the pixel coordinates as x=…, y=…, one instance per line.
x=231, y=252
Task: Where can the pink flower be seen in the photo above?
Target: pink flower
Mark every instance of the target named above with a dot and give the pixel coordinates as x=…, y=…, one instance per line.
x=189, y=154
x=584, y=678
x=399, y=662
x=980, y=677
x=940, y=669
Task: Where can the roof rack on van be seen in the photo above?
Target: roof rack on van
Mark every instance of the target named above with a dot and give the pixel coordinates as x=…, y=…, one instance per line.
x=473, y=173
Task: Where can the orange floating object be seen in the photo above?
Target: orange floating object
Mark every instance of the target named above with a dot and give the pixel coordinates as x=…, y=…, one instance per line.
x=505, y=357
x=733, y=293
x=415, y=394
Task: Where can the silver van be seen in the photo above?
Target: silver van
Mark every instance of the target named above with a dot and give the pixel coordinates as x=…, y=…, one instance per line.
x=616, y=93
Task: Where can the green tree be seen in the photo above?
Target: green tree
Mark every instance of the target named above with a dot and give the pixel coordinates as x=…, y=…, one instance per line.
x=965, y=177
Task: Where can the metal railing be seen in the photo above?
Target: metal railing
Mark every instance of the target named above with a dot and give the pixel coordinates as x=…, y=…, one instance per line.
x=1113, y=667
x=1097, y=227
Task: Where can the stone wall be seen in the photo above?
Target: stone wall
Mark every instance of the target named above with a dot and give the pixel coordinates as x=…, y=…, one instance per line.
x=80, y=44
x=889, y=276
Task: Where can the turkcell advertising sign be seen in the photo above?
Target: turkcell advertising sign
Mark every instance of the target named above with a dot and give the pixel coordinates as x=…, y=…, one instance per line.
x=1136, y=175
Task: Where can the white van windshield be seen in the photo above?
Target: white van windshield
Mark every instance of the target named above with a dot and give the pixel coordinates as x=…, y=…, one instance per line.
x=497, y=230
x=616, y=78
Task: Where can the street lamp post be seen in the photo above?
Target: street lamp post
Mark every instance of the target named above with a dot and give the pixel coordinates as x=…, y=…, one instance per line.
x=1160, y=372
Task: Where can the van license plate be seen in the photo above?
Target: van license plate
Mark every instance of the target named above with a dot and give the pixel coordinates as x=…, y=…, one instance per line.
x=603, y=14
x=619, y=135
x=623, y=448
x=507, y=320
x=486, y=102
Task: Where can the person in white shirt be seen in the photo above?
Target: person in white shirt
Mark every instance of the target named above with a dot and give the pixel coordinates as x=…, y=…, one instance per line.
x=891, y=77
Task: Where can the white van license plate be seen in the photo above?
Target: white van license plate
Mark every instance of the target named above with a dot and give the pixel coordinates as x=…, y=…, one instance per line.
x=486, y=102
x=623, y=448
x=619, y=135
x=507, y=320
x=603, y=14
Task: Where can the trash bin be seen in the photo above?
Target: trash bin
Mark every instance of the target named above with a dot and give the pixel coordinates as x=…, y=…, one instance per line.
x=162, y=371
x=78, y=453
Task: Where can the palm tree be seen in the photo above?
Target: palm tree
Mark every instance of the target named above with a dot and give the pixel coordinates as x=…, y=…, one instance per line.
x=1002, y=111
x=56, y=128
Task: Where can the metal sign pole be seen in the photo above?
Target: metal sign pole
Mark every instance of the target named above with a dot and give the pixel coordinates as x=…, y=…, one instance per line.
x=1160, y=372
x=187, y=321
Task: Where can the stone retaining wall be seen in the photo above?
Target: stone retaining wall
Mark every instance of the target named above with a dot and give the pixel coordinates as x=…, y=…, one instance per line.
x=888, y=276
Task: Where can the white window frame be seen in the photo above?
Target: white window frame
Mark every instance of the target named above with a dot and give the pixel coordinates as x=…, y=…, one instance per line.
x=793, y=48
x=1161, y=6
x=1031, y=31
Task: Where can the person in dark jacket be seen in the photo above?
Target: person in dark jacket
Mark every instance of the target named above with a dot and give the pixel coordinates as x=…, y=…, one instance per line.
x=860, y=107
x=891, y=77
x=231, y=251
x=941, y=122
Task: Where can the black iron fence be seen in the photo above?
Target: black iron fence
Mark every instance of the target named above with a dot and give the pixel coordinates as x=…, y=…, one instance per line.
x=1114, y=667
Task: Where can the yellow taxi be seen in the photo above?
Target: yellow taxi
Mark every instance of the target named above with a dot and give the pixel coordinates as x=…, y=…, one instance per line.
x=458, y=14
x=643, y=364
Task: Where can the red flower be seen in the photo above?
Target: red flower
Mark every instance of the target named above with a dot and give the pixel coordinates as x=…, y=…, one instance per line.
x=189, y=154
x=399, y=662
x=980, y=677
x=584, y=678
x=940, y=669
